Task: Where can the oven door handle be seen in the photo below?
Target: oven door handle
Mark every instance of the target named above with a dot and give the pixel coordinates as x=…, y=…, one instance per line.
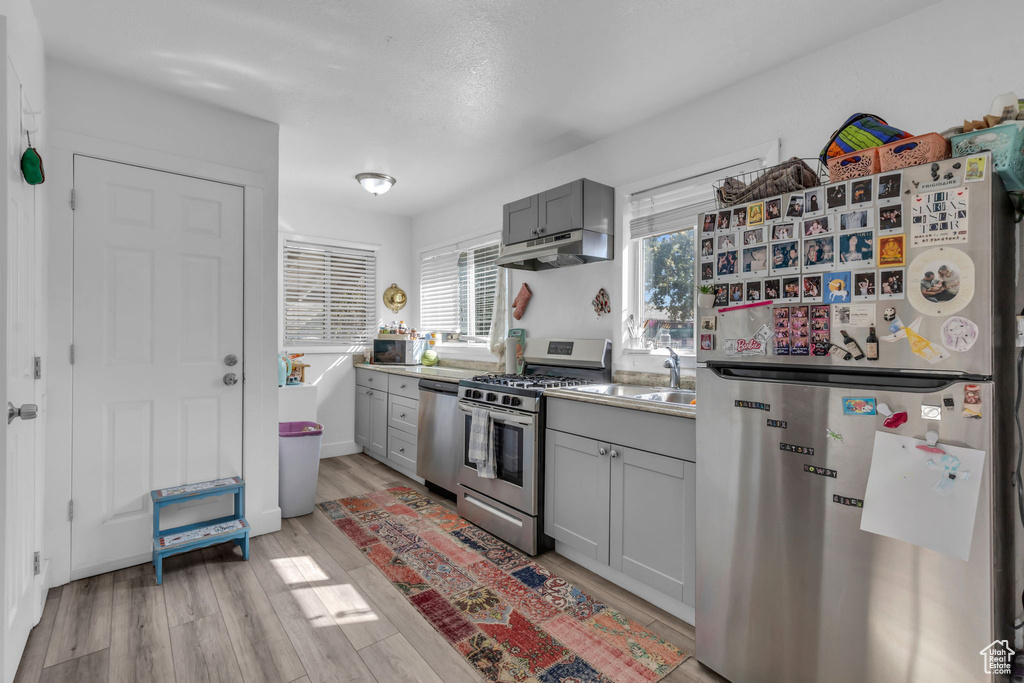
x=498, y=415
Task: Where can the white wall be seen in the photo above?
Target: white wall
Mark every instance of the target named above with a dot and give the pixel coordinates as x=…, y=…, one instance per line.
x=887, y=71
x=95, y=113
x=332, y=372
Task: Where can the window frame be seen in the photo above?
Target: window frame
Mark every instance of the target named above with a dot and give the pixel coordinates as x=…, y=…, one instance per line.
x=311, y=348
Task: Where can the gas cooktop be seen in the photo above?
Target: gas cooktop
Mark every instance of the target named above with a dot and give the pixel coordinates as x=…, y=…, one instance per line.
x=537, y=381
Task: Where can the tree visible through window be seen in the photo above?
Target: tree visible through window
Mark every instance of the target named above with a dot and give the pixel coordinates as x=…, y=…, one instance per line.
x=457, y=290
x=667, y=263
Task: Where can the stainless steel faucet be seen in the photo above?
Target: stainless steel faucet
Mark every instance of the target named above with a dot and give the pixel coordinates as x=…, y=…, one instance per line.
x=672, y=363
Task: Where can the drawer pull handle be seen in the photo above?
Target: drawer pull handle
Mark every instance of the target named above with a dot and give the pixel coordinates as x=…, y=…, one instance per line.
x=402, y=386
x=402, y=415
x=614, y=453
x=602, y=450
x=401, y=450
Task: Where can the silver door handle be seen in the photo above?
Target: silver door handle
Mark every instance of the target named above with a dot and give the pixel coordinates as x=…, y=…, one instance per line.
x=602, y=450
x=25, y=412
x=614, y=453
x=402, y=415
x=231, y=360
x=231, y=379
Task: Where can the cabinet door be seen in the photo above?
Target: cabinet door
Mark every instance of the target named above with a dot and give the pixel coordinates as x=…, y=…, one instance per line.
x=520, y=220
x=561, y=209
x=653, y=527
x=576, y=492
x=362, y=431
x=378, y=437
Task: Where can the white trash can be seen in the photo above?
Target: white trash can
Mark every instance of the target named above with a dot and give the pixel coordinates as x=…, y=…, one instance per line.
x=298, y=466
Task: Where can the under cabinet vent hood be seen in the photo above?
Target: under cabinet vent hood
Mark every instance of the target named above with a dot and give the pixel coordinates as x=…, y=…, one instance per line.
x=565, y=249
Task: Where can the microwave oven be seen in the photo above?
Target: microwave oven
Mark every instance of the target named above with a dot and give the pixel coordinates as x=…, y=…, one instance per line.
x=398, y=351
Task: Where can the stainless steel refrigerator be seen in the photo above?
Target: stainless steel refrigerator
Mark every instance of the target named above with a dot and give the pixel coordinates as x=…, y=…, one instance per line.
x=789, y=586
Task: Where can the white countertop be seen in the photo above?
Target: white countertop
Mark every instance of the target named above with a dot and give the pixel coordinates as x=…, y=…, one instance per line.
x=442, y=374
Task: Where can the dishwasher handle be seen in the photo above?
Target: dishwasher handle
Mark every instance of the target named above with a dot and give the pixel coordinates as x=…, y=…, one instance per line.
x=439, y=387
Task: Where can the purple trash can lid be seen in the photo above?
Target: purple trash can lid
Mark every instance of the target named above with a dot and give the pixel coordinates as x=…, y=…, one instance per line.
x=299, y=428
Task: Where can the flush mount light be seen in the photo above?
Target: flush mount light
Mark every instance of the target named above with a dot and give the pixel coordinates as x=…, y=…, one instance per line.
x=375, y=183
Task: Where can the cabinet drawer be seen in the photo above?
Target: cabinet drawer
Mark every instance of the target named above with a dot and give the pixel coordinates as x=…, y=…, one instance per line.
x=371, y=379
x=402, y=448
x=404, y=386
x=403, y=413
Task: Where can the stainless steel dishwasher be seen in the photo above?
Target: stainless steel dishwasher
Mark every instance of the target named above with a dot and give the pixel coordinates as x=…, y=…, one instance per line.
x=440, y=436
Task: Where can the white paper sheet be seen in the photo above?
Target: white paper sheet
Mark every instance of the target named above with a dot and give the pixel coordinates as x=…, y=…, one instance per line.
x=902, y=502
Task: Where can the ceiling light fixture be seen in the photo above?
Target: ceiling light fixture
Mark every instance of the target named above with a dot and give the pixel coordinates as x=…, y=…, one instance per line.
x=375, y=183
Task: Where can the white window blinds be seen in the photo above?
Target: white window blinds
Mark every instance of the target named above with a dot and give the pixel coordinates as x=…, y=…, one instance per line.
x=458, y=287
x=330, y=294
x=675, y=206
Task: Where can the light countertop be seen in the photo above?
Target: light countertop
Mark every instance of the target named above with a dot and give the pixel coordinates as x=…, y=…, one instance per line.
x=441, y=374
x=675, y=409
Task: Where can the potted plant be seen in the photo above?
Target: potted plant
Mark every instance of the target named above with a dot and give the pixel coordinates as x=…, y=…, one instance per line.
x=705, y=296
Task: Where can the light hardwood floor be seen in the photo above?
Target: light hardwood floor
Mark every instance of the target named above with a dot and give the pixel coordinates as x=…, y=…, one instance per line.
x=307, y=607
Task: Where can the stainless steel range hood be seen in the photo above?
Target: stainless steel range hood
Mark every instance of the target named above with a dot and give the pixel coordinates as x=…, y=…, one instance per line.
x=564, y=249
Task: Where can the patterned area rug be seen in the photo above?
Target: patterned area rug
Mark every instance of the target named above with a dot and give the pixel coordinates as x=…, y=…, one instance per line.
x=508, y=616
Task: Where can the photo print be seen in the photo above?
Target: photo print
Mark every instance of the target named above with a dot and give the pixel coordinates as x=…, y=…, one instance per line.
x=707, y=248
x=864, y=286
x=727, y=263
x=819, y=253
x=721, y=295
x=707, y=271
x=739, y=217
x=785, y=257
x=753, y=236
x=773, y=209
x=710, y=219
x=857, y=248
x=854, y=220
x=782, y=231
x=727, y=241
x=753, y=290
x=892, y=251
x=755, y=260
x=755, y=214
x=938, y=278
x=820, y=335
x=736, y=293
x=837, y=288
x=796, y=206
x=891, y=284
x=781, y=343
x=814, y=201
x=889, y=185
x=724, y=219
x=890, y=218
x=799, y=331
x=811, y=289
x=772, y=289
x=819, y=225
x=861, y=191
x=835, y=196
x=791, y=288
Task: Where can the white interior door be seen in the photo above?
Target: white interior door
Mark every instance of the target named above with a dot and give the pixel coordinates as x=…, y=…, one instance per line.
x=21, y=592
x=157, y=310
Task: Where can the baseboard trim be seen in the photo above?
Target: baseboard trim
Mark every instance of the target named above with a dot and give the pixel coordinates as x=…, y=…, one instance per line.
x=674, y=607
x=333, y=450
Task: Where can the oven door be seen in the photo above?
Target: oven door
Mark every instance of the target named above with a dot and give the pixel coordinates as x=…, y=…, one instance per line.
x=514, y=436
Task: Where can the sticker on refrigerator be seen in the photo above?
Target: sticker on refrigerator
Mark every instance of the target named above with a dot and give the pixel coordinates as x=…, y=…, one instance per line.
x=833, y=435
x=972, y=401
x=941, y=281
x=894, y=325
x=821, y=471
x=837, y=288
x=859, y=406
x=853, y=315
x=708, y=323
x=707, y=342
x=959, y=334
x=938, y=217
x=975, y=169
x=845, y=500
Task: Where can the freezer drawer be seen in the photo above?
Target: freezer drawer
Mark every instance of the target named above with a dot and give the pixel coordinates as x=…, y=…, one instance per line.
x=788, y=586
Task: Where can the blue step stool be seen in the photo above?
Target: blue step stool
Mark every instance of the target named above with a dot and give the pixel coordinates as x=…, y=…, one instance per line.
x=201, y=534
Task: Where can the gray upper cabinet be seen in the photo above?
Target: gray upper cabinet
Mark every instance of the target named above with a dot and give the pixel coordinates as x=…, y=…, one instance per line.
x=576, y=493
x=521, y=220
x=581, y=204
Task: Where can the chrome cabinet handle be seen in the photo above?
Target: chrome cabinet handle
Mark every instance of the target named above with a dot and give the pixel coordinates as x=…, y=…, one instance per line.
x=231, y=379
x=401, y=450
x=402, y=415
x=602, y=450
x=614, y=453
x=401, y=386
x=27, y=411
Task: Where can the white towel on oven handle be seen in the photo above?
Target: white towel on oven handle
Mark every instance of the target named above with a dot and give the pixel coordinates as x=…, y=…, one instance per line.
x=481, y=450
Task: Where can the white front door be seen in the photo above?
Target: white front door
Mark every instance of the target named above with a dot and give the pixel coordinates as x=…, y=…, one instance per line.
x=21, y=592
x=157, y=313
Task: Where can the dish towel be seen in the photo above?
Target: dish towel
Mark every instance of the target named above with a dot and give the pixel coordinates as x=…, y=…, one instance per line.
x=480, y=450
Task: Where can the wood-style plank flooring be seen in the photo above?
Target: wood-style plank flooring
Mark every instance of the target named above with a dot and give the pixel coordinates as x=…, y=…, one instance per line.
x=307, y=607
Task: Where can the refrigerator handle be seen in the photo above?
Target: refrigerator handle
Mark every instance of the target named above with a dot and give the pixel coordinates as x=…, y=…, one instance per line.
x=912, y=383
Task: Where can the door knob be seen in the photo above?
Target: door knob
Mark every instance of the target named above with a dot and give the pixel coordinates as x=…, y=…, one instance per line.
x=25, y=412
x=602, y=450
x=614, y=453
x=231, y=360
x=231, y=379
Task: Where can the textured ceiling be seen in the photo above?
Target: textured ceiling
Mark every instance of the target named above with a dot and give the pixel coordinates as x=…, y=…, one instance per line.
x=444, y=95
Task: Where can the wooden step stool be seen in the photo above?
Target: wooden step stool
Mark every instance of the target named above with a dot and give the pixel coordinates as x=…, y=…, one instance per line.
x=201, y=534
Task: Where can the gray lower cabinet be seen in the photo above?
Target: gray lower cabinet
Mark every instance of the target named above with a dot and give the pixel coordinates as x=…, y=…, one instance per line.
x=371, y=428
x=627, y=508
x=387, y=410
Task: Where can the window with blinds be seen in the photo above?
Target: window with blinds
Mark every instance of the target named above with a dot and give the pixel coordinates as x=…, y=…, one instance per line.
x=458, y=287
x=330, y=294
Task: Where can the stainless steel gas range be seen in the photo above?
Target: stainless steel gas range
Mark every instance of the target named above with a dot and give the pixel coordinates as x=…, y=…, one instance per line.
x=511, y=505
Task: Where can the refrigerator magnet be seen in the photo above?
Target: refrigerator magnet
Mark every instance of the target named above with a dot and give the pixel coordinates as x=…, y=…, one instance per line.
x=836, y=196
x=972, y=401
x=755, y=261
x=837, y=288
x=819, y=253
x=707, y=248
x=707, y=342
x=890, y=218
x=811, y=289
x=814, y=201
x=857, y=248
x=859, y=406
x=773, y=209
x=755, y=213
x=943, y=281
x=708, y=323
x=891, y=283
x=892, y=251
x=862, y=191
x=975, y=169
x=865, y=286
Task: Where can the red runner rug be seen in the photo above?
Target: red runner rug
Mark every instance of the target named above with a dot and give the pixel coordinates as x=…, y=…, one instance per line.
x=511, y=618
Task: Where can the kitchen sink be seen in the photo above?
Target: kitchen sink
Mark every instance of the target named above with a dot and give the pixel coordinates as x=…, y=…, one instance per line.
x=637, y=393
x=681, y=397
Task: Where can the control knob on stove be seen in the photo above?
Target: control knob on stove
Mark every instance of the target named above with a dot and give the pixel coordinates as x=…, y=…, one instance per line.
x=515, y=400
x=491, y=398
x=506, y=400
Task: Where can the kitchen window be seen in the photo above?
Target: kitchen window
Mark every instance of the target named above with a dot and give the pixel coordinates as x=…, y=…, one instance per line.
x=458, y=288
x=329, y=294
